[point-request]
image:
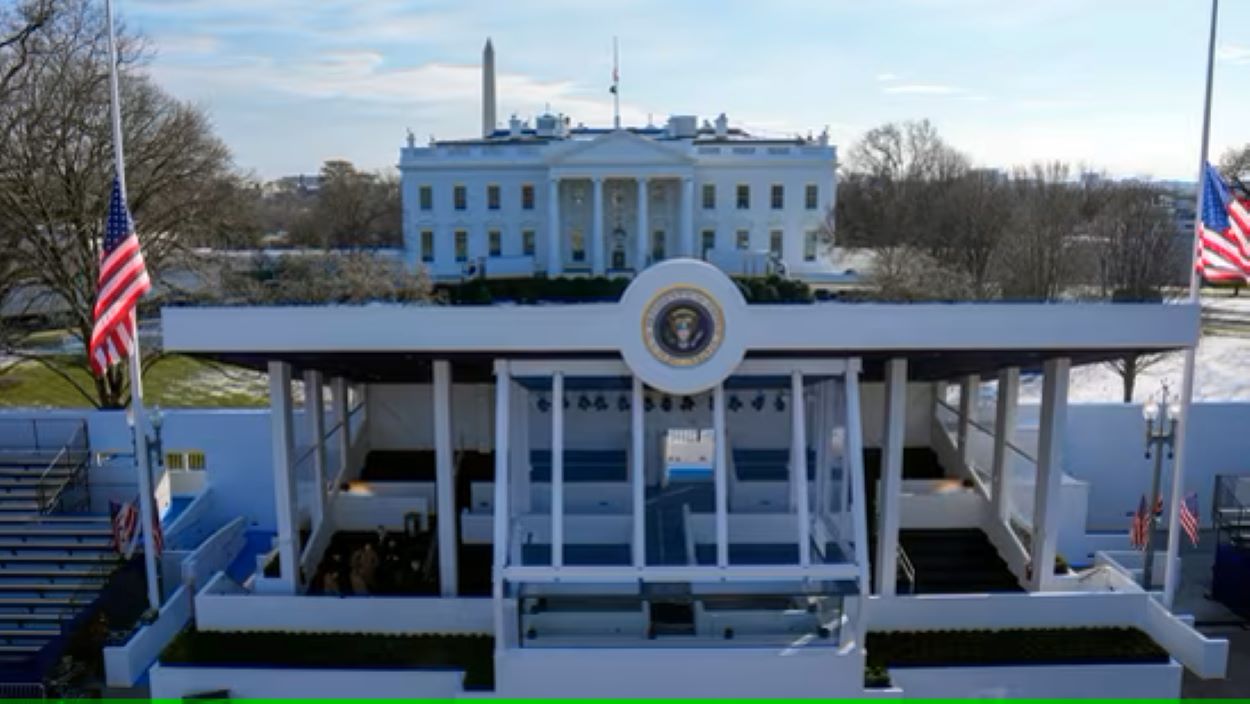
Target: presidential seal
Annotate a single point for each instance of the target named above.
(683, 326)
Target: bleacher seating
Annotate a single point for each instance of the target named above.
(582, 466)
(769, 465)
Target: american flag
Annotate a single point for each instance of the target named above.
(123, 279)
(1224, 232)
(158, 538)
(125, 519)
(1189, 517)
(1140, 527)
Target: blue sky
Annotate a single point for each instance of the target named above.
(1115, 84)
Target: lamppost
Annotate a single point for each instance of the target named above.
(1161, 420)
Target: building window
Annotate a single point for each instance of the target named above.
(657, 245)
(744, 196)
(460, 199)
(427, 245)
(527, 196)
(810, 241)
(527, 243)
(811, 197)
(426, 196)
(462, 246)
(778, 198)
(709, 196)
(577, 241)
(774, 243)
(495, 240)
(492, 197)
(744, 240)
(709, 242)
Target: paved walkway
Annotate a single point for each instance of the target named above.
(1214, 620)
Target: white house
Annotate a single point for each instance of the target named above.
(558, 199)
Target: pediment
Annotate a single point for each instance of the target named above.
(616, 149)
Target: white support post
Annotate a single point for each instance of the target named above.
(557, 469)
(1049, 470)
(798, 466)
(554, 254)
(687, 216)
(314, 414)
(283, 477)
(891, 475)
(445, 480)
(637, 475)
(596, 229)
(503, 384)
(721, 476)
(968, 389)
(339, 406)
(641, 244)
(855, 467)
(1004, 436)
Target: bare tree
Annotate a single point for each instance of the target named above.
(1036, 257)
(1235, 163)
(1136, 245)
(351, 208)
(56, 169)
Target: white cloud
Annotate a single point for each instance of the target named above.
(887, 77)
(922, 89)
(1233, 54)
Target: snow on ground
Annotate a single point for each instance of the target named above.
(1222, 374)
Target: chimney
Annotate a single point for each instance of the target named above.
(488, 89)
(722, 126)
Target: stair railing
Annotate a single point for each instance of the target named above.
(908, 569)
(49, 499)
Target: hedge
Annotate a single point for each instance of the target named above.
(1048, 646)
(770, 289)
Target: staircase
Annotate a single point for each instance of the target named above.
(53, 565)
(955, 561)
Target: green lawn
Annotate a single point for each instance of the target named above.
(173, 381)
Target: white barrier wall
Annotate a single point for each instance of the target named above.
(1162, 681)
(1105, 446)
(679, 672)
(125, 664)
(172, 682)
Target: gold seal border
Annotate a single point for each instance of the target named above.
(702, 297)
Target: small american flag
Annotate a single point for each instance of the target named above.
(158, 538)
(123, 279)
(125, 519)
(1189, 517)
(1140, 526)
(1224, 232)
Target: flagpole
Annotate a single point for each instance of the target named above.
(1171, 575)
(147, 513)
(616, 85)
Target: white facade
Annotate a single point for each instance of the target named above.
(556, 199)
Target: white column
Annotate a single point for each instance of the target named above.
(445, 480)
(968, 389)
(596, 230)
(503, 383)
(280, 417)
(554, 253)
(855, 467)
(643, 243)
(1004, 435)
(891, 475)
(798, 465)
(721, 476)
(1049, 470)
(338, 406)
(637, 475)
(314, 414)
(687, 216)
(557, 469)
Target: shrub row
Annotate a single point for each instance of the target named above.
(770, 289)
